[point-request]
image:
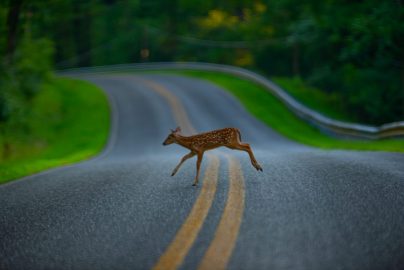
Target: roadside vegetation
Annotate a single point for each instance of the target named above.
(328, 104)
(347, 49)
(275, 114)
(45, 121)
(68, 121)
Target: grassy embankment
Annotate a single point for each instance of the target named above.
(271, 111)
(69, 122)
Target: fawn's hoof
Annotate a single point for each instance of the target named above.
(194, 184)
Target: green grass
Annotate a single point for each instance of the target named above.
(69, 122)
(328, 104)
(271, 111)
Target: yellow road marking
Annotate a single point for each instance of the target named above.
(180, 115)
(221, 247)
(179, 247)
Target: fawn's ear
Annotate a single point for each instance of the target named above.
(178, 129)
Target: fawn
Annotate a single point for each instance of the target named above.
(198, 144)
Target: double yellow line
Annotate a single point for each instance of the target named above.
(223, 243)
(176, 252)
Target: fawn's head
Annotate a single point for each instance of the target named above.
(172, 137)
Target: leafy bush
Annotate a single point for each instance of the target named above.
(20, 80)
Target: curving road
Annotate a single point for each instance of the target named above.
(309, 209)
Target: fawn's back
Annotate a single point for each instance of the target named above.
(215, 138)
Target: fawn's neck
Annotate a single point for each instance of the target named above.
(183, 141)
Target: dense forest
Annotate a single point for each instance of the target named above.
(353, 48)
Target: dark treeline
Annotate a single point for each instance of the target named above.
(353, 48)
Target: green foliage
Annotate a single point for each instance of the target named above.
(352, 49)
(20, 81)
(69, 122)
(325, 103)
(23, 70)
(31, 65)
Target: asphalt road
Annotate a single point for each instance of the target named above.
(309, 209)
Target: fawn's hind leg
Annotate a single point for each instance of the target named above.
(246, 147)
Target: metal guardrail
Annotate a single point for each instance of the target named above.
(327, 125)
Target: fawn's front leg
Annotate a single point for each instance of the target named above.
(187, 156)
(198, 166)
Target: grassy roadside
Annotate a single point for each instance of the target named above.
(271, 111)
(69, 122)
(326, 103)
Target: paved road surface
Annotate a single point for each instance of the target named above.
(309, 209)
